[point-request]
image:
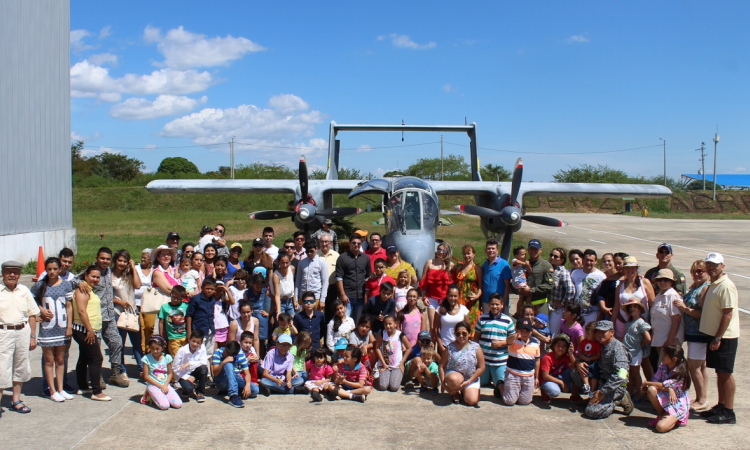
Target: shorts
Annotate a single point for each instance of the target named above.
(311, 384)
(475, 385)
(697, 351)
(434, 303)
(594, 370)
(722, 360)
(493, 373)
(636, 360)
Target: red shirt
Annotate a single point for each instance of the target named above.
(375, 255)
(373, 285)
(553, 365)
(356, 375)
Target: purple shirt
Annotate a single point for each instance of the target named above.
(278, 365)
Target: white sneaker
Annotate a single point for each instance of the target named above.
(66, 396)
(57, 397)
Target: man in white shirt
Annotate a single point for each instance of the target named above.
(312, 274)
(587, 281)
(268, 247)
(190, 367)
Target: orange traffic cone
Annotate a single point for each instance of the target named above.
(39, 265)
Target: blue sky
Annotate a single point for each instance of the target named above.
(537, 77)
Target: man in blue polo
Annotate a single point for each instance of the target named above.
(496, 276)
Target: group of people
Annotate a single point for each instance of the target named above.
(306, 319)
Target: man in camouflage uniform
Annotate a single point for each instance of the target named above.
(613, 375)
(541, 280)
(664, 255)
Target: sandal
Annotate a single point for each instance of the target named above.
(22, 410)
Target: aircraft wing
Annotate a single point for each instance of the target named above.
(594, 190)
(469, 187)
(253, 186)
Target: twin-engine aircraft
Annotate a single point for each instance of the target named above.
(411, 205)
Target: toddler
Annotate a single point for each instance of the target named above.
(637, 342)
(319, 374)
(285, 327)
(424, 370)
(351, 380)
(189, 278)
(590, 351)
(401, 289)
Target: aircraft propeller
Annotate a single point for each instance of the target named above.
(306, 209)
(510, 213)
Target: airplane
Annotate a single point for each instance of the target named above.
(411, 206)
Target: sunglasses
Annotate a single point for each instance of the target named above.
(307, 302)
(355, 243)
(664, 252)
(462, 334)
(219, 230)
(441, 251)
(299, 239)
(289, 247)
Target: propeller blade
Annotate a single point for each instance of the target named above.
(477, 210)
(546, 221)
(303, 181)
(516, 183)
(507, 244)
(270, 215)
(338, 212)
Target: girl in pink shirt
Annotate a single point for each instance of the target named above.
(318, 374)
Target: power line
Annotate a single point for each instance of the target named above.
(158, 148)
(558, 153)
(343, 149)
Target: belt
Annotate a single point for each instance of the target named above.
(541, 301)
(19, 326)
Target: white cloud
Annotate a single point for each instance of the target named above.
(403, 41)
(577, 39)
(740, 169)
(101, 59)
(150, 146)
(184, 50)
(76, 40)
(272, 132)
(364, 148)
(79, 137)
(87, 152)
(91, 80)
(288, 103)
(105, 32)
(164, 105)
(448, 88)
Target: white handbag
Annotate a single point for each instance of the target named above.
(152, 301)
(128, 320)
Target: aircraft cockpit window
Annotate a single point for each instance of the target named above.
(429, 212)
(412, 210)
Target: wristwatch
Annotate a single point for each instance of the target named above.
(33, 336)
(717, 339)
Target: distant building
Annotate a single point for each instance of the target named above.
(36, 193)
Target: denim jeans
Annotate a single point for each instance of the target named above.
(297, 381)
(553, 389)
(135, 342)
(229, 381)
(354, 308)
(287, 306)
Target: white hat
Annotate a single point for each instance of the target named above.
(157, 250)
(715, 258)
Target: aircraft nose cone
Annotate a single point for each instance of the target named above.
(515, 216)
(304, 214)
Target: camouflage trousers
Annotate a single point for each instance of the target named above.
(111, 337)
(604, 408)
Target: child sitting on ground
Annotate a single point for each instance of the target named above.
(554, 368)
(351, 381)
(637, 341)
(247, 341)
(190, 367)
(285, 327)
(522, 373)
(301, 348)
(424, 370)
(319, 374)
(590, 351)
(158, 374)
(519, 268)
(668, 390)
(232, 373)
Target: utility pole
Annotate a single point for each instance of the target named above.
(716, 141)
(703, 164)
(231, 158)
(665, 161)
(442, 168)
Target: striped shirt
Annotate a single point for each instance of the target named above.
(523, 357)
(494, 328)
(240, 362)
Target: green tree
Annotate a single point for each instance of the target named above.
(491, 172)
(454, 167)
(263, 171)
(118, 167)
(346, 173)
(177, 165)
(591, 174)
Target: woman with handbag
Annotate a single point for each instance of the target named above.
(163, 279)
(125, 281)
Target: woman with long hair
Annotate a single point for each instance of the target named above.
(436, 277)
(468, 277)
(125, 280)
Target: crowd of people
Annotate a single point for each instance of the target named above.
(307, 319)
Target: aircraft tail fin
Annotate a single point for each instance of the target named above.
(334, 149)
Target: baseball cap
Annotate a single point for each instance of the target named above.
(173, 235)
(604, 325)
(535, 243)
(391, 248)
(424, 336)
(665, 245)
(341, 344)
(328, 221)
(362, 233)
(543, 319)
(524, 324)
(235, 244)
(257, 241)
(285, 339)
(715, 258)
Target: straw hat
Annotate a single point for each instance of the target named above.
(157, 250)
(666, 274)
(636, 302)
(630, 261)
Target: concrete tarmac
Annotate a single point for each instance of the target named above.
(407, 419)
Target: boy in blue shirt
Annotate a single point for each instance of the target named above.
(231, 373)
(200, 313)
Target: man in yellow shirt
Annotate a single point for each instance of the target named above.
(720, 319)
(18, 312)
